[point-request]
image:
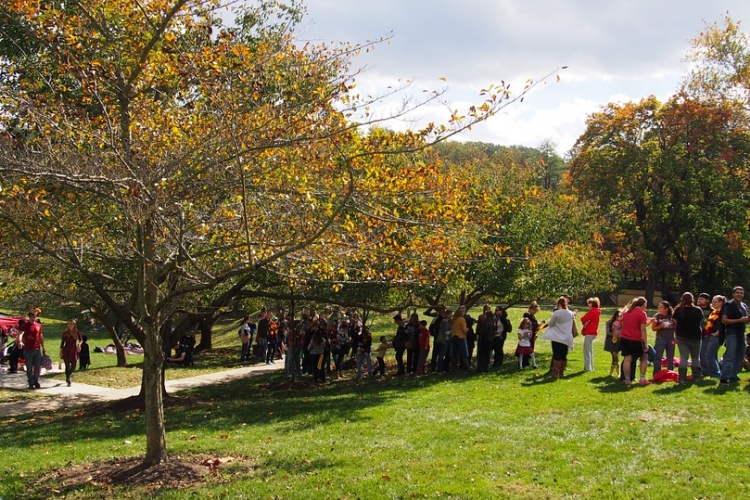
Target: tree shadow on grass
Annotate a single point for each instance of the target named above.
(216, 408)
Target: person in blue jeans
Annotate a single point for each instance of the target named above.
(714, 337)
(663, 324)
(734, 316)
(32, 341)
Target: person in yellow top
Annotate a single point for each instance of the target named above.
(459, 329)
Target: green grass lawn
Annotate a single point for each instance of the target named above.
(508, 434)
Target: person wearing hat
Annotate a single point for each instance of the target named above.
(31, 341)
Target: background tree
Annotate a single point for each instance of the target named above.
(670, 180)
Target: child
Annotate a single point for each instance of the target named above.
(524, 343)
(380, 353)
(364, 356)
(611, 341)
(84, 357)
(424, 346)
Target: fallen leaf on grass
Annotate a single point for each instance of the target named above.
(386, 476)
(193, 437)
(224, 436)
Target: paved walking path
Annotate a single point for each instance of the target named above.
(83, 394)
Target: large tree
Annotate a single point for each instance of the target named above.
(671, 179)
(164, 160)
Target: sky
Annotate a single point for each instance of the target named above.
(614, 51)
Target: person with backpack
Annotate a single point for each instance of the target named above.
(611, 341)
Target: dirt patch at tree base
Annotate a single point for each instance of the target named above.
(178, 472)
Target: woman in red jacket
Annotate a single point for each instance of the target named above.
(590, 322)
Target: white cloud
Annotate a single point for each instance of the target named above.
(612, 49)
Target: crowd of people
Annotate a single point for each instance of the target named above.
(699, 328)
(323, 344)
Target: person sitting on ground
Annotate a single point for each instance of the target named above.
(182, 355)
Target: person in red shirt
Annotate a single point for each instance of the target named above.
(633, 338)
(31, 341)
(590, 322)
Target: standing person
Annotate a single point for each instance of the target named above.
(734, 317)
(70, 346)
(310, 327)
(424, 347)
(443, 342)
(364, 352)
(714, 337)
(634, 339)
(273, 338)
(688, 318)
(485, 337)
(380, 353)
(612, 341)
(31, 340)
(399, 343)
(340, 348)
(560, 332)
(438, 341)
(502, 328)
(531, 314)
(264, 329)
(412, 343)
(524, 343)
(460, 356)
(471, 336)
(590, 330)
(317, 349)
(663, 325)
(246, 339)
(704, 302)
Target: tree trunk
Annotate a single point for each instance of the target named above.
(156, 332)
(153, 367)
(650, 291)
(119, 347)
(206, 336)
